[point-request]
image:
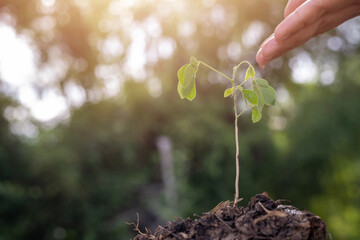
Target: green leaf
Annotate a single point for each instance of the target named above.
(265, 92)
(255, 115)
(250, 72)
(189, 79)
(194, 62)
(180, 73)
(192, 94)
(262, 82)
(228, 92)
(180, 90)
(268, 94)
(251, 96)
(258, 92)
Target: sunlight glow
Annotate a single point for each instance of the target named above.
(111, 47)
(166, 47)
(351, 30)
(328, 73)
(75, 94)
(254, 34)
(155, 87)
(136, 58)
(52, 104)
(335, 43)
(17, 60)
(186, 29)
(128, 45)
(48, 3)
(304, 70)
(218, 15)
(20, 75)
(234, 51)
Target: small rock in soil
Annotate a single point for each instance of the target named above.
(262, 219)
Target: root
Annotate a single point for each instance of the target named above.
(136, 227)
(236, 201)
(183, 235)
(225, 224)
(269, 214)
(220, 206)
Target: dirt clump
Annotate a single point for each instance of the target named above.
(262, 219)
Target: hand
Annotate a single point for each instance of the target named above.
(304, 19)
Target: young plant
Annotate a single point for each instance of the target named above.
(260, 94)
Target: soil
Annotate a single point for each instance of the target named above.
(262, 219)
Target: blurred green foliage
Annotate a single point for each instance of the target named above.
(88, 176)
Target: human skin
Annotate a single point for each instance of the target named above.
(304, 19)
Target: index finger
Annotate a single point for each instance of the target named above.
(304, 15)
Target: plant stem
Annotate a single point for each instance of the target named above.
(237, 152)
(231, 80)
(236, 199)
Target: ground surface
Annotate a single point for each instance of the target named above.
(262, 219)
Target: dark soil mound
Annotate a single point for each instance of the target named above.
(262, 219)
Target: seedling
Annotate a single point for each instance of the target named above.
(260, 94)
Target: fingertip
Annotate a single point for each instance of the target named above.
(260, 59)
(270, 49)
